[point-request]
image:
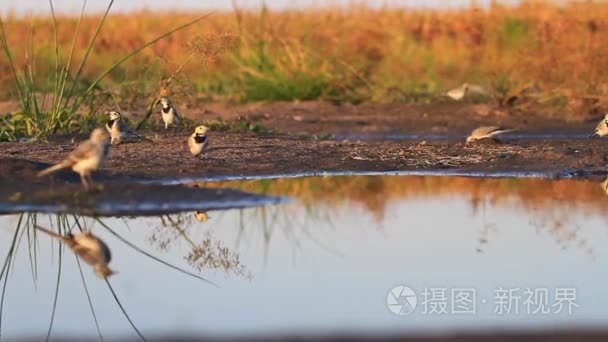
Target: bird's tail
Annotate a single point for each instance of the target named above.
(51, 233)
(53, 168)
(146, 139)
(139, 136)
(507, 130)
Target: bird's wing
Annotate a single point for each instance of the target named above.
(456, 93)
(601, 125)
(484, 130)
(126, 129)
(89, 246)
(85, 150)
(106, 252)
(492, 129)
(86, 254)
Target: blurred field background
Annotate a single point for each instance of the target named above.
(558, 52)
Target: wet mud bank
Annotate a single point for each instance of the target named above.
(235, 156)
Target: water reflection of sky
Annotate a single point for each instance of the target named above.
(313, 276)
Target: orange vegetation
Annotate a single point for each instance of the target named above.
(351, 53)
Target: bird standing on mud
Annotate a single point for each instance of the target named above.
(198, 141)
(169, 113)
(119, 130)
(601, 129)
(460, 92)
(86, 158)
(487, 132)
(89, 248)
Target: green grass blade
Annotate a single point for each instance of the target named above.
(66, 70)
(6, 268)
(56, 297)
(88, 51)
(124, 312)
(57, 61)
(86, 290)
(7, 53)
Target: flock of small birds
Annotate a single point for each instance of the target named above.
(90, 155)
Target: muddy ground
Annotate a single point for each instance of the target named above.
(305, 140)
(115, 199)
(449, 118)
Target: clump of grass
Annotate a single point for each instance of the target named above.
(47, 111)
(340, 54)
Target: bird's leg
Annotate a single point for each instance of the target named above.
(83, 179)
(90, 179)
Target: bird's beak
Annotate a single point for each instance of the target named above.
(594, 135)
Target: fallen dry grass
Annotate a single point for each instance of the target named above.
(555, 53)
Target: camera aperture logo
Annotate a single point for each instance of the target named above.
(401, 300)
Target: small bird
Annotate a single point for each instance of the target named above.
(460, 92)
(86, 158)
(487, 132)
(169, 113)
(601, 129)
(201, 215)
(119, 130)
(198, 141)
(89, 248)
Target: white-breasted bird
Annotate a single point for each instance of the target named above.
(89, 248)
(601, 129)
(198, 141)
(86, 158)
(119, 130)
(168, 112)
(487, 132)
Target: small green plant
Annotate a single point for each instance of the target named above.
(61, 109)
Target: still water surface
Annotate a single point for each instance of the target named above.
(326, 262)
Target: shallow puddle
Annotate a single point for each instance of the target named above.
(478, 255)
